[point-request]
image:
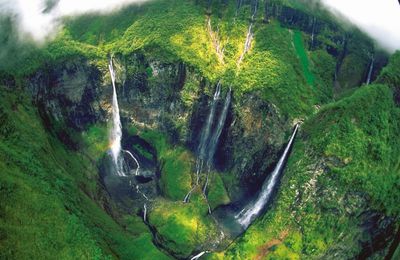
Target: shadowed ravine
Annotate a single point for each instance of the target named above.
(233, 224)
(236, 219)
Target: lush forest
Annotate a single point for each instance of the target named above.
(208, 94)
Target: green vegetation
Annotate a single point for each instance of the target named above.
(323, 66)
(347, 156)
(50, 197)
(301, 52)
(95, 141)
(183, 227)
(390, 75)
(217, 192)
(273, 67)
(176, 166)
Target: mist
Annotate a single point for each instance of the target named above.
(380, 19)
(41, 19)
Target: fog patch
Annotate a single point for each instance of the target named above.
(379, 19)
(40, 20)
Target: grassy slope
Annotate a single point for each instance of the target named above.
(356, 139)
(176, 30)
(47, 194)
(182, 227)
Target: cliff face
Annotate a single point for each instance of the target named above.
(168, 97)
(167, 72)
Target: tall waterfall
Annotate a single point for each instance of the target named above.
(249, 213)
(213, 143)
(209, 138)
(205, 134)
(371, 69)
(313, 34)
(116, 131)
(249, 36)
(207, 128)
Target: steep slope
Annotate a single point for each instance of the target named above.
(169, 57)
(339, 192)
(52, 204)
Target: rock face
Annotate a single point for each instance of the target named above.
(160, 95)
(68, 94)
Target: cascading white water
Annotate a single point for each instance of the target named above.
(144, 212)
(217, 133)
(249, 36)
(198, 255)
(116, 131)
(136, 161)
(213, 143)
(207, 144)
(371, 68)
(250, 212)
(205, 134)
(247, 44)
(215, 40)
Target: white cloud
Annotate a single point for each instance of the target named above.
(34, 22)
(378, 18)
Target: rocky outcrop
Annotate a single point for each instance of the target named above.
(252, 145)
(67, 94)
(154, 94)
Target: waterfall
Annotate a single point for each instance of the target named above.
(144, 212)
(209, 140)
(255, 7)
(141, 193)
(312, 34)
(116, 131)
(213, 143)
(217, 133)
(198, 255)
(371, 69)
(247, 44)
(249, 36)
(215, 41)
(136, 161)
(247, 215)
(206, 131)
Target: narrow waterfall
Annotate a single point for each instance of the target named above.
(247, 44)
(249, 37)
(215, 41)
(209, 140)
(141, 193)
(116, 131)
(371, 69)
(205, 134)
(313, 34)
(144, 212)
(198, 255)
(136, 161)
(250, 212)
(213, 143)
